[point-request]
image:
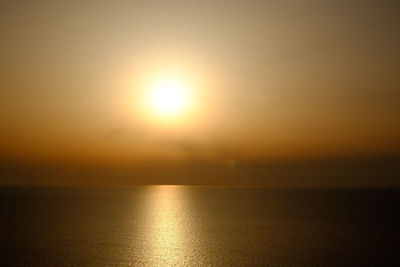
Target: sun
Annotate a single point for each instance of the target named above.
(168, 96)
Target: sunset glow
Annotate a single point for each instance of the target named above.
(118, 85)
(168, 96)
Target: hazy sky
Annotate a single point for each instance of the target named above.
(271, 80)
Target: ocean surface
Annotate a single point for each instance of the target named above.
(199, 226)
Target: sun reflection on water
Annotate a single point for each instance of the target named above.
(168, 228)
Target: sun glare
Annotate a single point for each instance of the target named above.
(168, 96)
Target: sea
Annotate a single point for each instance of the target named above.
(199, 226)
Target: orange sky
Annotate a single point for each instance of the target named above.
(272, 81)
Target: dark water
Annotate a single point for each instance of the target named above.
(185, 225)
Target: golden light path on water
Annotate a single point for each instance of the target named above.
(167, 235)
(167, 226)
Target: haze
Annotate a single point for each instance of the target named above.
(273, 83)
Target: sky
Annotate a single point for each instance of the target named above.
(270, 82)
